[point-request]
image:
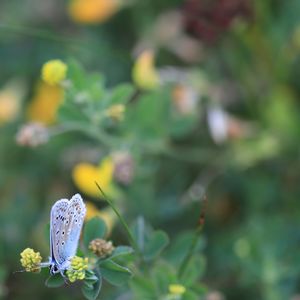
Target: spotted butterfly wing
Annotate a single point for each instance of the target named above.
(71, 228)
(57, 216)
(66, 223)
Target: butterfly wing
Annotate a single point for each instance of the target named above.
(71, 228)
(57, 217)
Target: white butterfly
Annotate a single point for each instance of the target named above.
(66, 220)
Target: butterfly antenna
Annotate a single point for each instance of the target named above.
(18, 271)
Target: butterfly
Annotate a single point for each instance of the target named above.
(66, 220)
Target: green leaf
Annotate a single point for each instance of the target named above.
(121, 252)
(114, 273)
(157, 242)
(189, 295)
(76, 74)
(140, 230)
(148, 118)
(91, 290)
(194, 270)
(143, 288)
(163, 275)
(94, 228)
(55, 281)
(180, 248)
(121, 94)
(90, 276)
(69, 113)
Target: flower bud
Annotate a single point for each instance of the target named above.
(101, 247)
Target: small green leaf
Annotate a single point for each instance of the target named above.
(95, 228)
(92, 290)
(70, 114)
(157, 242)
(143, 288)
(114, 273)
(55, 281)
(90, 276)
(121, 251)
(121, 94)
(163, 275)
(190, 295)
(194, 270)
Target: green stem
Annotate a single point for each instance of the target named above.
(126, 227)
(190, 253)
(195, 240)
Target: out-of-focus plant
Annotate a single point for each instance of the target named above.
(90, 108)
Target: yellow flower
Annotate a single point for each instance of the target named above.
(176, 289)
(10, 100)
(54, 71)
(93, 11)
(77, 269)
(31, 260)
(44, 105)
(85, 175)
(106, 214)
(116, 112)
(144, 74)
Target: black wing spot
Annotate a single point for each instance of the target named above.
(57, 232)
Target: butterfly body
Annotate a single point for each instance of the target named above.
(66, 220)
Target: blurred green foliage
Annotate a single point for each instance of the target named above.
(223, 122)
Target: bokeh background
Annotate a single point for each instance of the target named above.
(231, 72)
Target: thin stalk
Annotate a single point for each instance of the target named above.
(196, 238)
(126, 227)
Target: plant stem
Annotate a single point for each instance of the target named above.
(196, 238)
(126, 227)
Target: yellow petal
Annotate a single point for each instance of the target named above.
(44, 105)
(176, 289)
(92, 11)
(85, 175)
(144, 73)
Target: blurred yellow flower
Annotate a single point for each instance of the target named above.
(116, 112)
(77, 269)
(31, 260)
(144, 74)
(10, 100)
(43, 107)
(85, 175)
(176, 289)
(93, 11)
(54, 71)
(106, 214)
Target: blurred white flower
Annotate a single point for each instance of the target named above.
(32, 135)
(217, 120)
